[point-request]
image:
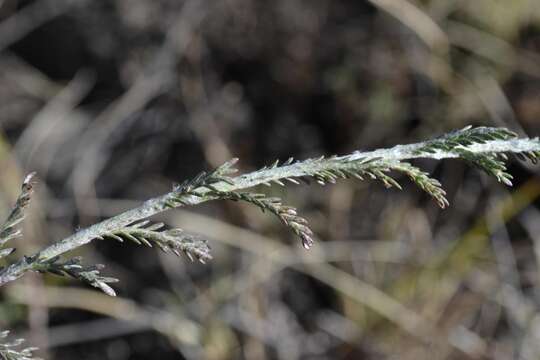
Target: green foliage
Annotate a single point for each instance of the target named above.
(465, 137)
(204, 180)
(286, 214)
(493, 163)
(176, 241)
(329, 170)
(479, 146)
(424, 182)
(146, 233)
(9, 230)
(74, 268)
(9, 351)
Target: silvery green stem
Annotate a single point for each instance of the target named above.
(441, 148)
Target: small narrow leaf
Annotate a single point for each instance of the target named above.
(288, 215)
(74, 268)
(9, 231)
(9, 351)
(173, 240)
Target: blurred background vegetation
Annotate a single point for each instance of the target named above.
(111, 102)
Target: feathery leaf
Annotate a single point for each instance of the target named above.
(9, 349)
(9, 230)
(74, 268)
(464, 138)
(176, 241)
(286, 214)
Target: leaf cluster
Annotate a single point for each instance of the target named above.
(176, 241)
(146, 233)
(9, 350)
(74, 268)
(10, 228)
(493, 163)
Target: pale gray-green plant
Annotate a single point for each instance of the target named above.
(11, 350)
(484, 147)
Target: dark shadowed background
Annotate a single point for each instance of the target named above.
(112, 102)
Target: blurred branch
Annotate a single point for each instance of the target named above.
(493, 48)
(156, 78)
(53, 122)
(31, 17)
(172, 325)
(316, 265)
(418, 21)
(460, 256)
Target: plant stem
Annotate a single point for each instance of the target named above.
(301, 169)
